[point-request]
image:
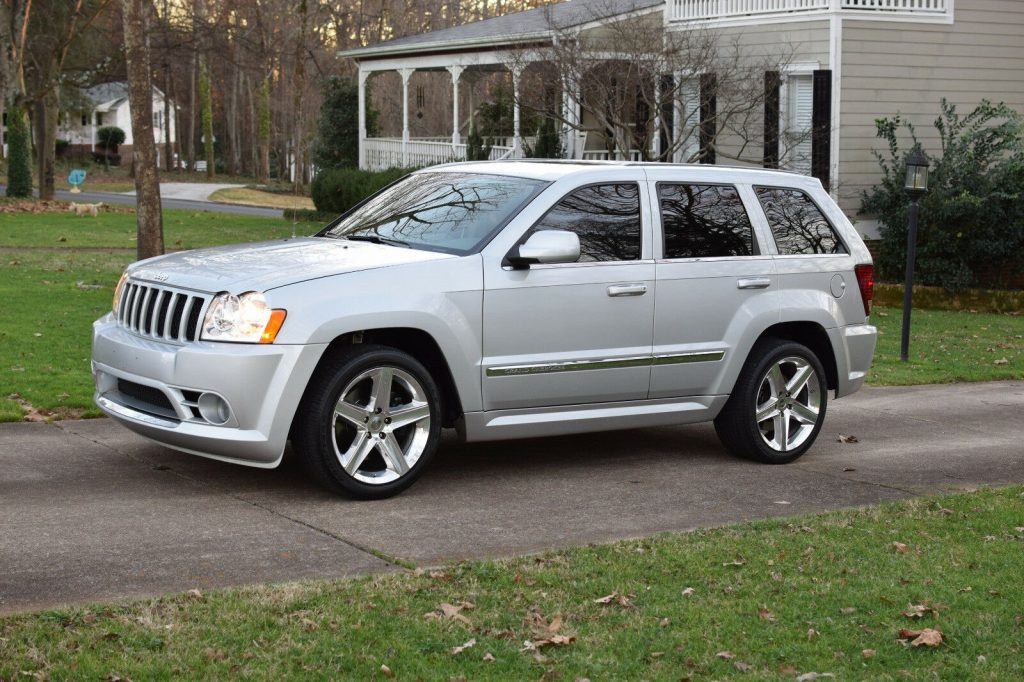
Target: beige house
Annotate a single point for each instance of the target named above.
(850, 62)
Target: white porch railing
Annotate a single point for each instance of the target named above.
(381, 153)
(694, 10)
(605, 155)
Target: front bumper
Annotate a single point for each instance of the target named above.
(151, 387)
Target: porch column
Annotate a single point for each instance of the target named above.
(571, 109)
(363, 76)
(405, 74)
(456, 72)
(517, 142)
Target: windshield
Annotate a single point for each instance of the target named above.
(450, 212)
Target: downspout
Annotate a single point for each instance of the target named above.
(835, 61)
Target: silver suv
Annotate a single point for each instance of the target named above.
(506, 300)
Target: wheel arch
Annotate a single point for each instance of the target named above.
(812, 335)
(417, 343)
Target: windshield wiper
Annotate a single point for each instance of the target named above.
(377, 239)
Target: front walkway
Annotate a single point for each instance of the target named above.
(189, 191)
(91, 512)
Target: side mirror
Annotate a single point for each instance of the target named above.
(546, 246)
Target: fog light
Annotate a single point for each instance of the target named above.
(214, 408)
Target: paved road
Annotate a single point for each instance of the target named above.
(168, 202)
(89, 511)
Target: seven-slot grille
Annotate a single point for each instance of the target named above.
(160, 312)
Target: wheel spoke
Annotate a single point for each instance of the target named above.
(382, 381)
(409, 414)
(805, 414)
(776, 381)
(392, 453)
(353, 414)
(782, 430)
(357, 452)
(767, 411)
(799, 380)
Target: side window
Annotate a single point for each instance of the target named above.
(606, 218)
(798, 224)
(704, 221)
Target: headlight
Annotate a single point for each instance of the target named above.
(118, 289)
(242, 319)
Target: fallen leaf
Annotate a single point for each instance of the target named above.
(847, 610)
(725, 655)
(900, 547)
(462, 647)
(1001, 361)
(688, 592)
(743, 667)
(386, 671)
(843, 438)
(764, 614)
(811, 676)
(450, 611)
(868, 653)
(489, 657)
(620, 599)
(927, 637)
(195, 594)
(920, 610)
(812, 633)
(735, 562)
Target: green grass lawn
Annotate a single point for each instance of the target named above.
(773, 599)
(57, 273)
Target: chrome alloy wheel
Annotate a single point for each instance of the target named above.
(788, 403)
(381, 425)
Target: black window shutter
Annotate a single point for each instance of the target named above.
(772, 103)
(708, 116)
(668, 99)
(821, 127)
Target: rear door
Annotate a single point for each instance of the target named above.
(715, 281)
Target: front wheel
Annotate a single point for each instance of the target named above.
(778, 404)
(369, 423)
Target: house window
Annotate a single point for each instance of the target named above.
(704, 221)
(799, 118)
(99, 120)
(85, 120)
(605, 217)
(420, 99)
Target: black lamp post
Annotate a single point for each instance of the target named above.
(916, 187)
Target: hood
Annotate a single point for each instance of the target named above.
(265, 265)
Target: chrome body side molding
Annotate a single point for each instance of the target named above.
(578, 365)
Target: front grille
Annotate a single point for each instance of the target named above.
(161, 312)
(145, 399)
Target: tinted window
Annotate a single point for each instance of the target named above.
(450, 212)
(798, 224)
(606, 218)
(704, 221)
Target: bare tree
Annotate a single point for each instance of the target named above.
(661, 94)
(149, 217)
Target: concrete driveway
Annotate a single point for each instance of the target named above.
(88, 511)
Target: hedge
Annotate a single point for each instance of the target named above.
(337, 190)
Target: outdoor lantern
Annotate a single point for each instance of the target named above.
(917, 174)
(915, 187)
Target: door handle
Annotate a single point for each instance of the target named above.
(753, 283)
(617, 290)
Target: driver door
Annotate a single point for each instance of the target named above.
(575, 333)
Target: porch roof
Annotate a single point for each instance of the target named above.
(531, 24)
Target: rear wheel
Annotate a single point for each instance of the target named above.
(369, 423)
(778, 404)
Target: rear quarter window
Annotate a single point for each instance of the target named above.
(798, 225)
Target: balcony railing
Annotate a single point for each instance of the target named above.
(699, 10)
(380, 153)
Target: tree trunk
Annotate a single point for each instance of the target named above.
(149, 217)
(263, 133)
(3, 102)
(47, 113)
(232, 116)
(300, 85)
(206, 117)
(168, 148)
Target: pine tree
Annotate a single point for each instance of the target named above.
(337, 141)
(19, 169)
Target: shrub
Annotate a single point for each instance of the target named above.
(110, 137)
(19, 170)
(337, 190)
(476, 149)
(337, 139)
(549, 142)
(972, 219)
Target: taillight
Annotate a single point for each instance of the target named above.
(866, 282)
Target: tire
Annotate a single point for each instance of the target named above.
(348, 438)
(768, 380)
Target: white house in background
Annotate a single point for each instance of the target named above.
(855, 61)
(107, 105)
